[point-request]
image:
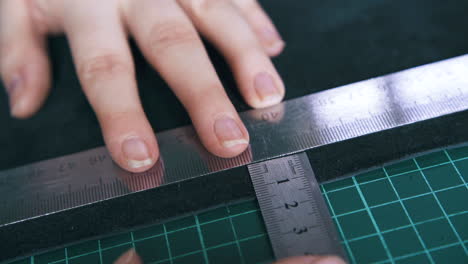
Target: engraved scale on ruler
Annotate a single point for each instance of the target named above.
(326, 117)
(294, 211)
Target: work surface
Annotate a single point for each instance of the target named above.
(408, 212)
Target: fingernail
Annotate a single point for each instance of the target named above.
(273, 39)
(136, 152)
(271, 35)
(129, 257)
(228, 132)
(266, 89)
(18, 106)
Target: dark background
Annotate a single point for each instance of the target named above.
(329, 43)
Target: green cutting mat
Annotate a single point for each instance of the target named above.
(414, 211)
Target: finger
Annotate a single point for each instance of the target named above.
(311, 260)
(106, 72)
(262, 26)
(170, 42)
(24, 66)
(222, 24)
(129, 257)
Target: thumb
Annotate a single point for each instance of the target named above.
(311, 260)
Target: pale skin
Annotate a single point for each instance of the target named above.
(131, 257)
(168, 32)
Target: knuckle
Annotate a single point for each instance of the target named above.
(118, 120)
(171, 34)
(116, 117)
(103, 67)
(204, 96)
(249, 55)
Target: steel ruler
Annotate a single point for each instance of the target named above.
(294, 211)
(323, 118)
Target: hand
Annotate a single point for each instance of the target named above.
(166, 32)
(130, 257)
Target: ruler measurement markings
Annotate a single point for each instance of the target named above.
(290, 225)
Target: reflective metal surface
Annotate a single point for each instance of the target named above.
(293, 208)
(318, 119)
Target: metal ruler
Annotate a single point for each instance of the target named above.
(318, 119)
(294, 211)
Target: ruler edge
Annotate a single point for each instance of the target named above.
(323, 210)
